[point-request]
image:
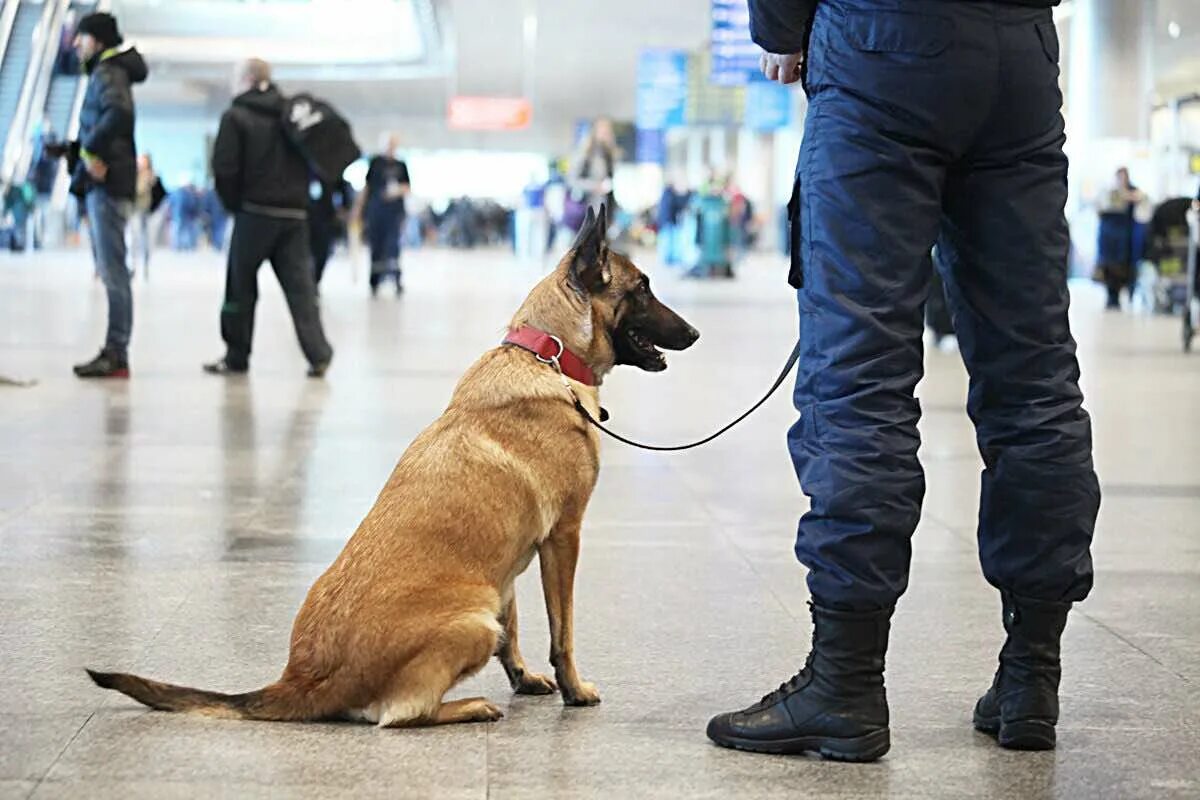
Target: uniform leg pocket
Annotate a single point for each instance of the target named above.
(1049, 36)
(796, 269)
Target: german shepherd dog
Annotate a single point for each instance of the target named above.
(422, 595)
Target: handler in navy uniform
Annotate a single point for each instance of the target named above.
(929, 122)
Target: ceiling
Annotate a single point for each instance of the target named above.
(581, 63)
(1177, 59)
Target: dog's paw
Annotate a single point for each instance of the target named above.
(584, 694)
(488, 712)
(534, 683)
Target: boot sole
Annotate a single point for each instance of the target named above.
(1024, 734)
(859, 749)
(120, 373)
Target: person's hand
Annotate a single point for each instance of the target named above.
(96, 168)
(393, 191)
(782, 68)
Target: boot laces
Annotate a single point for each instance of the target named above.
(790, 685)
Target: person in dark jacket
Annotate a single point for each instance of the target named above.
(329, 205)
(929, 121)
(671, 204)
(43, 171)
(263, 181)
(1118, 251)
(382, 209)
(103, 165)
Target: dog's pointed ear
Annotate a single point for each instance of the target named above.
(589, 220)
(589, 270)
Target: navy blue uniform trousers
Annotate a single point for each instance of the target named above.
(934, 122)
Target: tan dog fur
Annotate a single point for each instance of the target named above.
(422, 594)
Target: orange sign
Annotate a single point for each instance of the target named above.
(489, 113)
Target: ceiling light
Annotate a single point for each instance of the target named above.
(1173, 29)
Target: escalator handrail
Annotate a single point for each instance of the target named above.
(17, 143)
(8, 18)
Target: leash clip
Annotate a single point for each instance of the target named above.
(562, 376)
(553, 360)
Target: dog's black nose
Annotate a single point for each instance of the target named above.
(692, 335)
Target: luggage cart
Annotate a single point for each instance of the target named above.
(1191, 305)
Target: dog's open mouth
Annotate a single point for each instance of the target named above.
(640, 351)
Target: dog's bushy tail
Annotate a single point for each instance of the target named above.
(281, 701)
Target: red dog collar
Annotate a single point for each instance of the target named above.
(548, 349)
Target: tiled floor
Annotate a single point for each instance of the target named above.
(171, 526)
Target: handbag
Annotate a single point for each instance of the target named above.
(574, 211)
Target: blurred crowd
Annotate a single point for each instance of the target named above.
(701, 229)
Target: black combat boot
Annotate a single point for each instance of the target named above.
(835, 705)
(1021, 708)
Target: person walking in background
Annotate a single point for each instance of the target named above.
(148, 199)
(554, 198)
(529, 222)
(42, 174)
(103, 165)
(592, 174)
(19, 203)
(263, 181)
(741, 220)
(928, 121)
(381, 208)
(1117, 249)
(214, 218)
(66, 62)
(671, 206)
(714, 232)
(328, 208)
(184, 206)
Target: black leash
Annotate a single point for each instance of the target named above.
(791, 362)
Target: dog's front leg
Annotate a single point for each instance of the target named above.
(523, 681)
(558, 556)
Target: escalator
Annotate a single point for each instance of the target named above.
(65, 89)
(60, 101)
(14, 66)
(32, 90)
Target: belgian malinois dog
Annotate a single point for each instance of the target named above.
(422, 595)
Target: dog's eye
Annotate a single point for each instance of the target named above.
(644, 284)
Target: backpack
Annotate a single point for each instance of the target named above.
(320, 134)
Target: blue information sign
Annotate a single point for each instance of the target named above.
(735, 57)
(661, 89)
(651, 147)
(768, 106)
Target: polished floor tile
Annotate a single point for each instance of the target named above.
(172, 525)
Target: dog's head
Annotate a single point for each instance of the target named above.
(624, 309)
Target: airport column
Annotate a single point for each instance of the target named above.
(1107, 49)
